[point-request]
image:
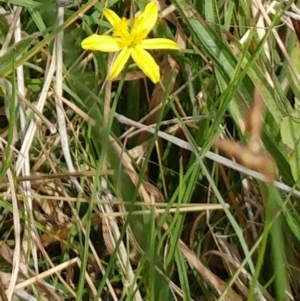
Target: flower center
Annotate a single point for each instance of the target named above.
(131, 36)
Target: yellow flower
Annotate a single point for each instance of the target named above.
(131, 41)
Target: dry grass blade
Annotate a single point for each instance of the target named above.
(30, 133)
(214, 282)
(210, 155)
(48, 273)
(232, 261)
(58, 95)
(13, 25)
(2, 288)
(17, 230)
(182, 209)
(26, 167)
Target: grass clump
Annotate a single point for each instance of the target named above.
(128, 189)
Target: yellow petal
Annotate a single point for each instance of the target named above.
(102, 43)
(146, 63)
(119, 63)
(111, 16)
(147, 19)
(159, 43)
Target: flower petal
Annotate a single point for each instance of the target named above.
(119, 63)
(111, 16)
(146, 63)
(159, 43)
(147, 19)
(102, 43)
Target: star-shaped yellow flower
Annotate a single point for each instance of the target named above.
(131, 41)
